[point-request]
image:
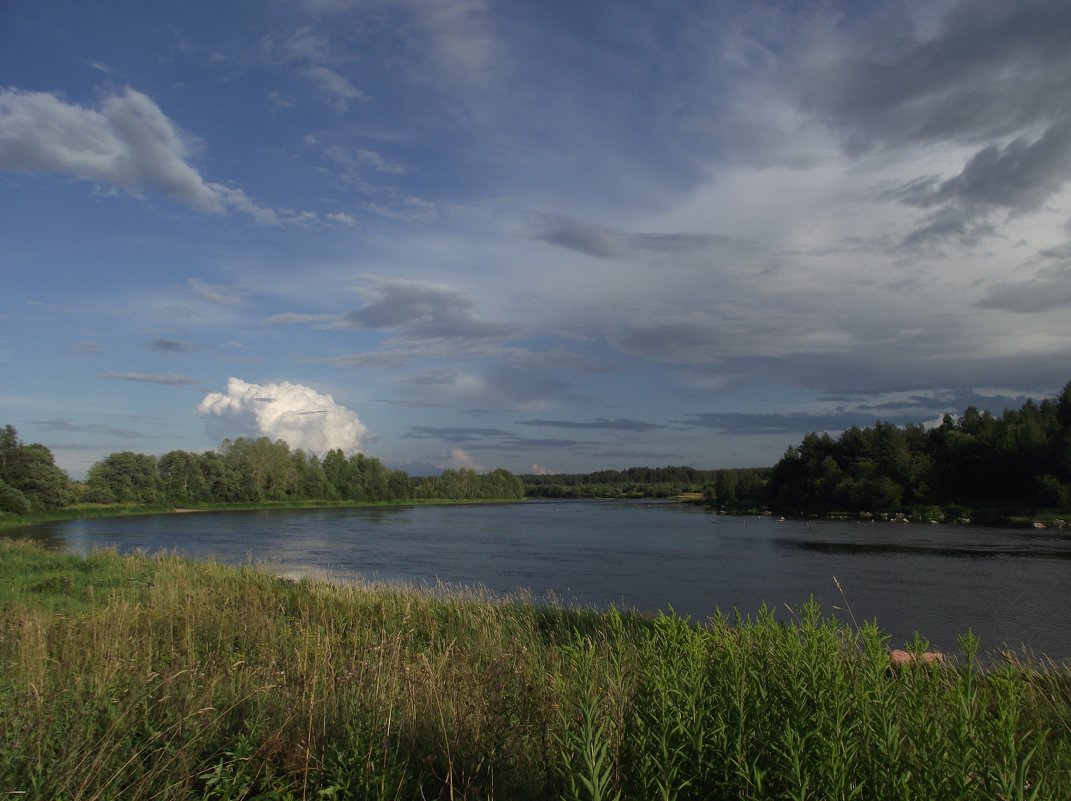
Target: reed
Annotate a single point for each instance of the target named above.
(164, 678)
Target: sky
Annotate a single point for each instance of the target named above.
(549, 237)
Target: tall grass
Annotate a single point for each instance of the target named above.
(163, 678)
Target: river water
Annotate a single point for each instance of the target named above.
(1012, 587)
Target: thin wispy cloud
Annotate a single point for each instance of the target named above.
(620, 424)
(216, 293)
(174, 346)
(68, 426)
(166, 379)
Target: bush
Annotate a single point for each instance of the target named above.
(11, 500)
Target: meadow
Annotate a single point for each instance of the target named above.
(138, 677)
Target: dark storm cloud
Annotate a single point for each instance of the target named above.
(417, 310)
(620, 424)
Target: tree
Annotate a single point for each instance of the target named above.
(31, 472)
(725, 486)
(12, 500)
(182, 478)
(124, 477)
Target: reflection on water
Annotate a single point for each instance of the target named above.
(964, 552)
(1009, 586)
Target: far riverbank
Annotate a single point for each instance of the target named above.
(91, 511)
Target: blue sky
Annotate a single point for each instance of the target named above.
(555, 236)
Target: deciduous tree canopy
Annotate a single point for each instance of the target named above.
(256, 470)
(29, 478)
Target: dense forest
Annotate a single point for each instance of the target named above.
(239, 471)
(1017, 462)
(650, 482)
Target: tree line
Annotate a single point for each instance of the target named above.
(1017, 462)
(244, 470)
(649, 482)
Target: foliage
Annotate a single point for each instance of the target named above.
(646, 482)
(1020, 459)
(241, 471)
(137, 677)
(29, 478)
(123, 477)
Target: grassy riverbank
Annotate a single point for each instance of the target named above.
(136, 677)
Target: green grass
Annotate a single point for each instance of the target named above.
(164, 678)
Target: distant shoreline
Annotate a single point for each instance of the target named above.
(93, 511)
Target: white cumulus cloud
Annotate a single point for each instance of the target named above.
(297, 414)
(127, 143)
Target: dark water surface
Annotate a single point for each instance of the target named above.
(1010, 586)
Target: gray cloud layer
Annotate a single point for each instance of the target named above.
(620, 424)
(993, 74)
(167, 379)
(990, 70)
(90, 428)
(800, 423)
(604, 243)
(174, 346)
(420, 311)
(1050, 289)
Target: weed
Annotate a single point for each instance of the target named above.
(164, 678)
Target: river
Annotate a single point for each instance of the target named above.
(1012, 587)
